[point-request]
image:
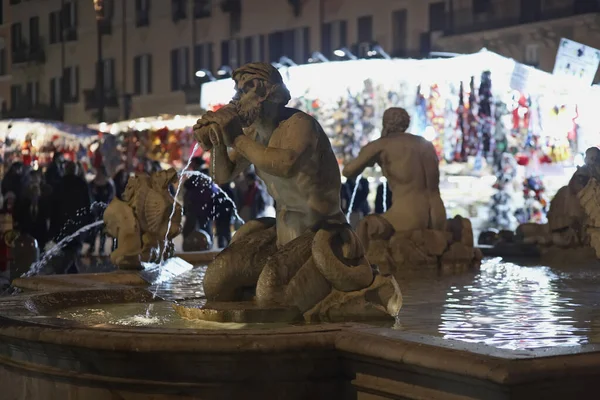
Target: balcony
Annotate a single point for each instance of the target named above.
(142, 18)
(29, 54)
(38, 111)
(92, 99)
(506, 13)
(192, 94)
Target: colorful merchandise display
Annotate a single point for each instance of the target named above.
(33, 142)
(166, 139)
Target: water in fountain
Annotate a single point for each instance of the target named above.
(384, 183)
(351, 205)
(36, 267)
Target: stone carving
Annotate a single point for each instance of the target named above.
(573, 217)
(307, 259)
(414, 231)
(139, 222)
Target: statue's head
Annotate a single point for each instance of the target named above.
(395, 119)
(258, 85)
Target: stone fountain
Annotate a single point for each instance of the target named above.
(414, 233)
(573, 229)
(305, 265)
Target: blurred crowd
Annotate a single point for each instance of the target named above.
(356, 196)
(58, 201)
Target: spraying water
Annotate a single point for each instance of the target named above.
(179, 184)
(351, 205)
(384, 195)
(36, 267)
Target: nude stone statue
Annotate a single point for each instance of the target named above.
(309, 253)
(410, 164)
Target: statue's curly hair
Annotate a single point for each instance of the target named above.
(268, 78)
(395, 119)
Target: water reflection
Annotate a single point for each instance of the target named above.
(512, 307)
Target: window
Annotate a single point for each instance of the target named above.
(16, 37)
(202, 8)
(437, 16)
(70, 84)
(225, 52)
(178, 10)
(33, 94)
(399, 33)
(365, 29)
(180, 73)
(334, 36)
(69, 20)
(107, 9)
(532, 54)
(142, 74)
(481, 6)
(1, 13)
(3, 61)
(142, 13)
(275, 46)
(15, 96)
(108, 72)
(34, 33)
(55, 92)
(203, 57)
(289, 45)
(248, 50)
(56, 29)
(262, 40)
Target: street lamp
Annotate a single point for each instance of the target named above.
(344, 52)
(224, 70)
(205, 74)
(287, 61)
(316, 57)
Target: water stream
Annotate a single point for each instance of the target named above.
(351, 205)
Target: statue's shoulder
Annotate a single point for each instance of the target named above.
(294, 116)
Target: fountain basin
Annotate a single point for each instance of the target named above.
(43, 356)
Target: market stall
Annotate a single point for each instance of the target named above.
(166, 139)
(474, 109)
(33, 142)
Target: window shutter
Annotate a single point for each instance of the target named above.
(174, 71)
(76, 85)
(186, 68)
(149, 68)
(112, 73)
(75, 13)
(137, 72)
(343, 34)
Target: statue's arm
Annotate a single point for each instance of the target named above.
(296, 142)
(366, 158)
(228, 164)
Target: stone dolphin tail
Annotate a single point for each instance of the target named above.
(339, 256)
(121, 223)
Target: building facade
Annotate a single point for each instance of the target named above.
(528, 31)
(5, 61)
(150, 50)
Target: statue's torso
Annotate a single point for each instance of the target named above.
(313, 191)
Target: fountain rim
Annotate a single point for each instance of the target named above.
(353, 340)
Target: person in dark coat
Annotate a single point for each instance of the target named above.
(32, 212)
(103, 190)
(224, 210)
(360, 205)
(55, 170)
(71, 202)
(198, 200)
(13, 179)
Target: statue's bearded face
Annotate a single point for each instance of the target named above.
(247, 102)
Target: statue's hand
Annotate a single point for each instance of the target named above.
(229, 123)
(202, 133)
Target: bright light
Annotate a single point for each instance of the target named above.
(429, 133)
(221, 72)
(339, 53)
(202, 74)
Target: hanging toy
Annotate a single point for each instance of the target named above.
(485, 115)
(435, 118)
(459, 155)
